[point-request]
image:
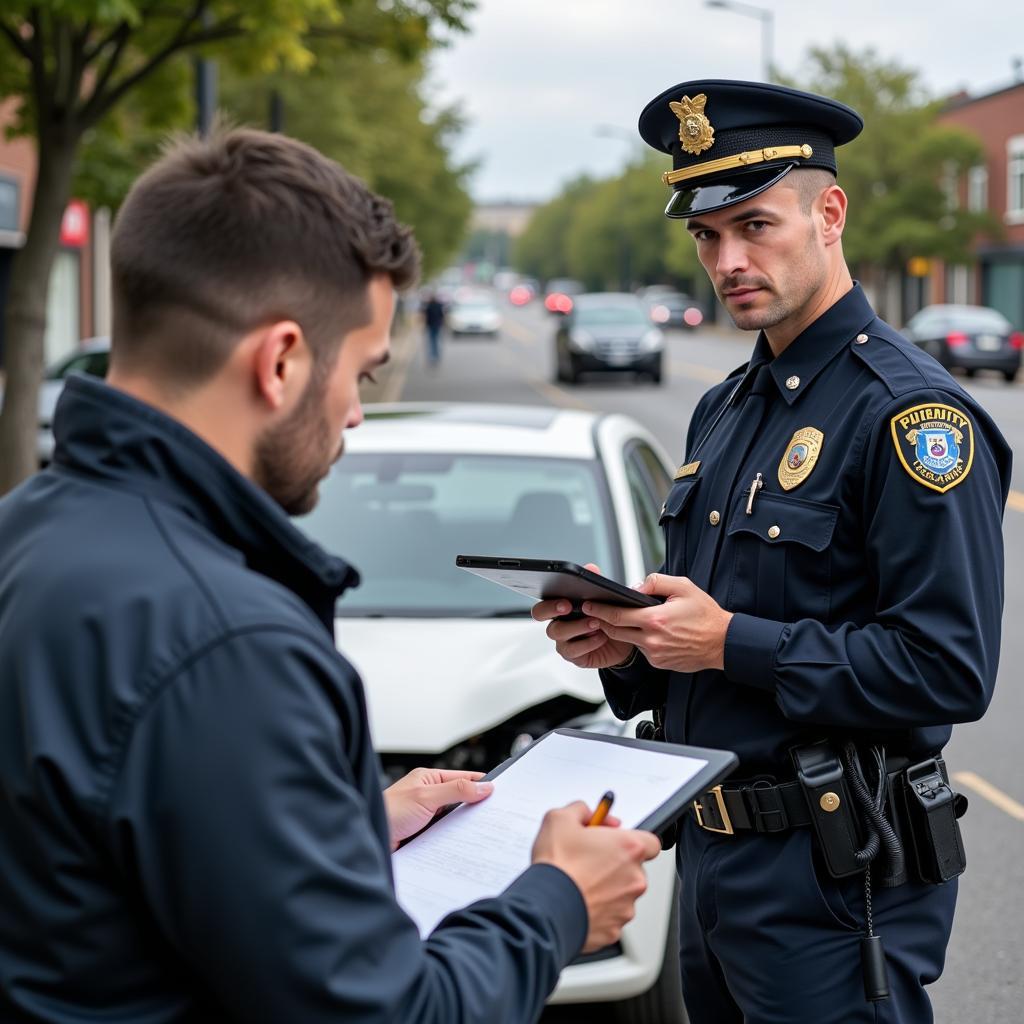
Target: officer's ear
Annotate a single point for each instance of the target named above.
(831, 208)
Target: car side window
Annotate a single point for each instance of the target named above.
(648, 486)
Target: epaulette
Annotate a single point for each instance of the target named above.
(899, 363)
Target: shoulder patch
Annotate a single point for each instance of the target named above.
(935, 444)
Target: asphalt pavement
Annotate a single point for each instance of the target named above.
(982, 982)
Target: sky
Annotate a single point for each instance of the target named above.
(553, 88)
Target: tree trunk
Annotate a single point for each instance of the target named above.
(26, 308)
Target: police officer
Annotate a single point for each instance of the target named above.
(833, 576)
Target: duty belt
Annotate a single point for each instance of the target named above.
(759, 806)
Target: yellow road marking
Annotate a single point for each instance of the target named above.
(557, 396)
(1015, 500)
(518, 331)
(695, 371)
(993, 795)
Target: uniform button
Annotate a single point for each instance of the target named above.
(714, 519)
(773, 532)
(860, 339)
(792, 383)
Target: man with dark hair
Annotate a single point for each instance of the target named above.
(191, 824)
(833, 582)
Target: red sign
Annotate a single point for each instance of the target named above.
(74, 225)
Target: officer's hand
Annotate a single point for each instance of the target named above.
(685, 634)
(580, 644)
(606, 864)
(413, 800)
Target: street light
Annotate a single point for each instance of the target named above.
(614, 131)
(764, 15)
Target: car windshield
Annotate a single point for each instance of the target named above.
(402, 518)
(589, 316)
(962, 320)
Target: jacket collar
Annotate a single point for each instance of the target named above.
(108, 435)
(819, 343)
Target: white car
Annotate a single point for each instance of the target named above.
(457, 673)
(92, 358)
(474, 314)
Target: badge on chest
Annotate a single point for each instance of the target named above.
(801, 455)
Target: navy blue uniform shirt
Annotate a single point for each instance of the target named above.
(865, 572)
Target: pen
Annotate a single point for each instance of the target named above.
(601, 811)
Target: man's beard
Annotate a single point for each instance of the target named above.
(292, 458)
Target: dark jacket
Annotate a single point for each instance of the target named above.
(867, 575)
(191, 824)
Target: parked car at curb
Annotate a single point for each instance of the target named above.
(457, 674)
(91, 357)
(970, 338)
(608, 331)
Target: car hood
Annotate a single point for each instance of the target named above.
(613, 331)
(431, 683)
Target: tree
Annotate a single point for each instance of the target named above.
(360, 106)
(894, 171)
(72, 63)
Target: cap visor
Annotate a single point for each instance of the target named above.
(690, 202)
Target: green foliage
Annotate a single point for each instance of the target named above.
(610, 233)
(893, 171)
(364, 109)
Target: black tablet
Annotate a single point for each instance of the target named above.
(543, 578)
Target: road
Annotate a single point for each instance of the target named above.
(982, 982)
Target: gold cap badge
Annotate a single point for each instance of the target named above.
(801, 455)
(695, 130)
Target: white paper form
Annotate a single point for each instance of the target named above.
(478, 850)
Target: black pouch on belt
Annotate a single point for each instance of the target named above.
(833, 817)
(932, 808)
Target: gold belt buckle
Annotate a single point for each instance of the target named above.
(727, 829)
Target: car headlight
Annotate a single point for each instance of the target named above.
(652, 340)
(581, 339)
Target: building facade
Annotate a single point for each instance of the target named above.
(996, 278)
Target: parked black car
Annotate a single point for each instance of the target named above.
(970, 338)
(608, 331)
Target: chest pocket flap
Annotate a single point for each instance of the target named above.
(782, 519)
(678, 498)
(781, 565)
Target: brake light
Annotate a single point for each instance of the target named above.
(956, 339)
(1017, 339)
(693, 317)
(660, 314)
(558, 302)
(520, 295)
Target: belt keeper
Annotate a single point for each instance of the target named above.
(771, 818)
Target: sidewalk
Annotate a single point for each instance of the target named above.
(390, 378)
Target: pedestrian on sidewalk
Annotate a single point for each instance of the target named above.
(433, 319)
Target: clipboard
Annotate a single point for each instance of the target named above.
(476, 851)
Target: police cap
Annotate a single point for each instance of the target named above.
(731, 140)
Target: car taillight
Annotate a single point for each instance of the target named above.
(519, 296)
(660, 314)
(1017, 339)
(551, 302)
(693, 317)
(956, 339)
(563, 304)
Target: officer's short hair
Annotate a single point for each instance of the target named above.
(239, 229)
(809, 183)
